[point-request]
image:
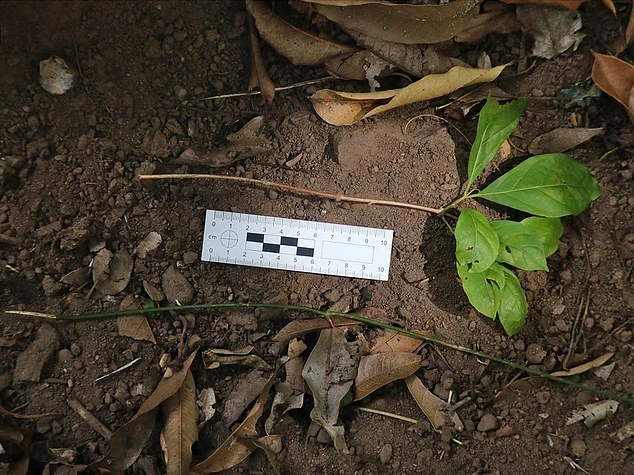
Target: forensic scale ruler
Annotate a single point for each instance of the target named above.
(297, 245)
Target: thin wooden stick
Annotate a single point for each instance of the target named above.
(255, 93)
(292, 189)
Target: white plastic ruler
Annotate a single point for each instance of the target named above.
(297, 245)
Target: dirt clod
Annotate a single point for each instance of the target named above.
(31, 362)
(488, 422)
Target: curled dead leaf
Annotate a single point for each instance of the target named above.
(398, 23)
(111, 273)
(346, 108)
(259, 75)
(216, 357)
(434, 408)
(595, 363)
(375, 371)
(562, 139)
(615, 77)
(298, 46)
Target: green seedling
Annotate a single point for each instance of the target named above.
(547, 187)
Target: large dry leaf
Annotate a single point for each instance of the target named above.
(390, 341)
(329, 372)
(616, 78)
(239, 444)
(562, 139)
(128, 440)
(407, 24)
(567, 4)
(180, 431)
(346, 108)
(375, 371)
(554, 30)
(134, 326)
(298, 46)
(434, 408)
(298, 328)
(216, 357)
(479, 26)
(595, 363)
(112, 277)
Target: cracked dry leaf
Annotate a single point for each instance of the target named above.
(398, 23)
(347, 108)
(329, 372)
(111, 273)
(615, 77)
(554, 30)
(375, 371)
(286, 399)
(134, 326)
(239, 445)
(300, 47)
(594, 412)
(148, 244)
(562, 139)
(216, 357)
(128, 441)
(180, 430)
(205, 402)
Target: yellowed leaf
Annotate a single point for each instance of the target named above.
(240, 443)
(298, 46)
(375, 371)
(595, 363)
(134, 326)
(398, 23)
(432, 406)
(615, 77)
(128, 440)
(180, 431)
(391, 341)
(346, 108)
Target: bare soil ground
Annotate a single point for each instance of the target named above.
(144, 68)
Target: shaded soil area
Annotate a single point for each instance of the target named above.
(69, 189)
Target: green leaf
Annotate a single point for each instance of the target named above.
(513, 305)
(477, 244)
(548, 230)
(483, 288)
(495, 124)
(551, 185)
(519, 246)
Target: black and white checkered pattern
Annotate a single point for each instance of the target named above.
(280, 244)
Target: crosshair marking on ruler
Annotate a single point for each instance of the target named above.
(229, 239)
(297, 245)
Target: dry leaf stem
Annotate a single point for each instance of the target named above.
(308, 82)
(325, 313)
(292, 189)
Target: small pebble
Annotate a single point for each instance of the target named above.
(535, 354)
(386, 453)
(542, 397)
(272, 194)
(487, 423)
(75, 349)
(64, 356)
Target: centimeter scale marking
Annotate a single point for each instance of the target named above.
(297, 245)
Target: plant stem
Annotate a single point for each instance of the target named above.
(292, 189)
(328, 314)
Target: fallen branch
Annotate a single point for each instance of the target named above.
(329, 314)
(292, 189)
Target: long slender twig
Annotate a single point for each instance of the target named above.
(329, 314)
(255, 93)
(292, 189)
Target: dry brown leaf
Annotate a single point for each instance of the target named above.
(298, 328)
(180, 431)
(134, 326)
(111, 273)
(432, 406)
(479, 26)
(354, 66)
(390, 341)
(77, 278)
(629, 30)
(375, 371)
(298, 46)
(259, 75)
(407, 24)
(239, 444)
(554, 31)
(148, 244)
(128, 440)
(346, 108)
(216, 357)
(295, 365)
(272, 446)
(562, 139)
(566, 4)
(595, 363)
(615, 77)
